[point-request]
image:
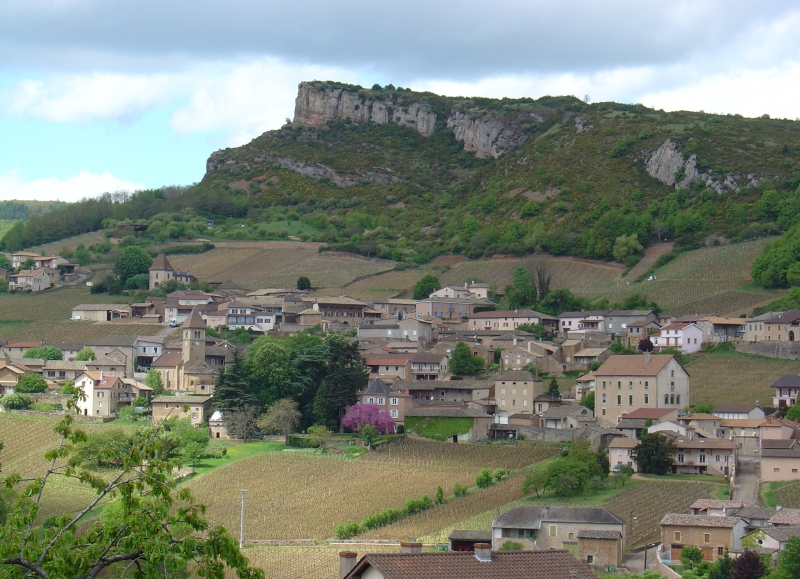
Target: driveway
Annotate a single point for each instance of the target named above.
(747, 479)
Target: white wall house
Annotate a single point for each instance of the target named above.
(686, 337)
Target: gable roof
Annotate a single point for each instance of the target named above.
(551, 564)
(168, 360)
(378, 386)
(634, 365)
(161, 263)
(782, 533)
(99, 307)
(787, 381)
(786, 517)
(624, 442)
(512, 314)
(467, 535)
(427, 358)
(790, 317)
(734, 408)
(515, 375)
(183, 399)
(755, 511)
(705, 504)
(529, 516)
(609, 535)
(558, 412)
(445, 384)
(651, 413)
(680, 520)
(450, 412)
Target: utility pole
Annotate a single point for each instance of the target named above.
(241, 525)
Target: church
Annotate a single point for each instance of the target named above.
(187, 370)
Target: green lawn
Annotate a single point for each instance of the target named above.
(768, 492)
(698, 477)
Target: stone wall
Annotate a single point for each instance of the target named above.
(785, 350)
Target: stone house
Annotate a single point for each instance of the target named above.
(632, 423)
(600, 548)
(639, 330)
(702, 422)
(161, 270)
(566, 417)
(450, 308)
(683, 336)
(507, 320)
(444, 390)
(34, 280)
(744, 432)
(397, 309)
(10, 373)
(697, 455)
(395, 402)
(194, 407)
(62, 370)
(18, 349)
(335, 308)
(780, 464)
(738, 411)
(406, 329)
(389, 366)
(516, 391)
(625, 383)
(543, 403)
(712, 535)
(786, 390)
(120, 348)
(429, 366)
(619, 452)
(544, 527)
(68, 349)
(785, 518)
(239, 315)
(104, 393)
(782, 327)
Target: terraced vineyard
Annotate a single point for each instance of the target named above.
(51, 305)
(82, 332)
(335, 490)
(736, 378)
(277, 264)
(789, 496)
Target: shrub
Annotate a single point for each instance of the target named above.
(439, 497)
(15, 401)
(347, 530)
(416, 505)
(511, 546)
(460, 490)
(623, 146)
(31, 383)
(499, 474)
(68, 388)
(484, 478)
(127, 413)
(46, 407)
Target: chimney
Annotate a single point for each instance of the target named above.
(412, 547)
(101, 375)
(347, 560)
(483, 552)
(646, 358)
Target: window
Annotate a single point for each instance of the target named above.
(672, 399)
(521, 534)
(646, 385)
(604, 401)
(590, 559)
(604, 384)
(646, 398)
(677, 536)
(716, 458)
(672, 385)
(553, 530)
(702, 459)
(630, 385)
(672, 372)
(720, 550)
(677, 399)
(630, 400)
(666, 398)
(394, 401)
(776, 470)
(194, 415)
(502, 391)
(706, 537)
(619, 400)
(604, 412)
(680, 458)
(794, 471)
(394, 413)
(381, 401)
(571, 536)
(619, 385)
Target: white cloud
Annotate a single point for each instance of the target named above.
(84, 184)
(69, 98)
(249, 99)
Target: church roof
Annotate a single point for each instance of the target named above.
(194, 320)
(161, 263)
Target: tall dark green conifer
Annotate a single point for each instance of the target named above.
(231, 391)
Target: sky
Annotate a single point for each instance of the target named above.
(110, 95)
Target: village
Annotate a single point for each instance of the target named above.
(511, 394)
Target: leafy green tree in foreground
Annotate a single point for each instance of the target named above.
(788, 561)
(157, 530)
(131, 261)
(31, 383)
(426, 286)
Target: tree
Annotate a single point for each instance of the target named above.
(131, 261)
(588, 401)
(242, 422)
(626, 246)
(271, 374)
(535, 482)
(320, 436)
(654, 454)
(748, 565)
(15, 401)
(543, 280)
(282, 417)
(231, 391)
(369, 434)
(788, 561)
(153, 381)
(521, 292)
(511, 546)
(645, 345)
(439, 497)
(552, 388)
(155, 528)
(31, 383)
(794, 413)
(44, 352)
(345, 376)
(194, 452)
(86, 355)
(461, 362)
(360, 415)
(722, 568)
(303, 283)
(426, 286)
(691, 556)
(138, 282)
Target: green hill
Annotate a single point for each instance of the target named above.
(396, 174)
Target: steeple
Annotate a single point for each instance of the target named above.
(194, 338)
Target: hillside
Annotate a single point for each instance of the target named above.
(410, 176)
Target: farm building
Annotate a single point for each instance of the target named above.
(195, 407)
(101, 312)
(712, 535)
(459, 424)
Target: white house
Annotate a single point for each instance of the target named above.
(683, 336)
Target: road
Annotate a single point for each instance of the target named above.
(747, 479)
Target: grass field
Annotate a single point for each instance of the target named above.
(82, 332)
(277, 264)
(54, 248)
(736, 378)
(335, 490)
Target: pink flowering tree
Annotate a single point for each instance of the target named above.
(359, 415)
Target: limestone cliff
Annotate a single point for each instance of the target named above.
(485, 134)
(315, 107)
(668, 166)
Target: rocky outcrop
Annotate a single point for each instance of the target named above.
(217, 162)
(668, 166)
(315, 107)
(490, 136)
